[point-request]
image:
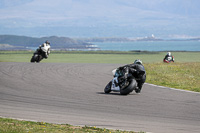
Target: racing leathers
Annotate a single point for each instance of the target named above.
(138, 71)
(44, 49)
(168, 58)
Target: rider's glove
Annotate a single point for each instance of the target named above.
(120, 68)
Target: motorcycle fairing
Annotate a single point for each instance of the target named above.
(115, 86)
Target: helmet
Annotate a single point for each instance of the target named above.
(169, 53)
(137, 61)
(47, 42)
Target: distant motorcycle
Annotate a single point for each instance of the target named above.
(40, 53)
(123, 82)
(168, 59)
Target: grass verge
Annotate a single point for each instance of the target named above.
(17, 126)
(175, 75)
(115, 57)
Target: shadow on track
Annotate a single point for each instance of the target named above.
(117, 93)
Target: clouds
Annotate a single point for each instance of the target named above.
(13, 3)
(98, 13)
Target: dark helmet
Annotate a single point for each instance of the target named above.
(47, 42)
(137, 61)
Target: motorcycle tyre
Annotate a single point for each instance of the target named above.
(108, 87)
(132, 85)
(35, 58)
(32, 59)
(39, 58)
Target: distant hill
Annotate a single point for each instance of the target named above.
(119, 39)
(195, 39)
(56, 42)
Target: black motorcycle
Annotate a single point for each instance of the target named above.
(39, 54)
(123, 82)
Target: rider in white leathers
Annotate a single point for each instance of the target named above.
(45, 47)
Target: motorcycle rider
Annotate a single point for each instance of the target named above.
(138, 71)
(168, 58)
(45, 48)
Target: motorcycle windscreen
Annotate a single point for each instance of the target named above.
(114, 71)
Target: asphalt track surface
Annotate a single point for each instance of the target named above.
(73, 94)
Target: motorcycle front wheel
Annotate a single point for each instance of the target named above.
(32, 59)
(108, 87)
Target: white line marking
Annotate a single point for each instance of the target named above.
(174, 89)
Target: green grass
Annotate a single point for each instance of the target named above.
(175, 75)
(16, 126)
(99, 56)
(183, 74)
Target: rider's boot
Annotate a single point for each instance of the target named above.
(137, 90)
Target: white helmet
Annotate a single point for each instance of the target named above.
(169, 53)
(137, 61)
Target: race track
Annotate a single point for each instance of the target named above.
(73, 94)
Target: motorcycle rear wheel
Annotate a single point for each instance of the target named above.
(132, 85)
(39, 58)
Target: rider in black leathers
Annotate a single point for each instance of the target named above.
(138, 71)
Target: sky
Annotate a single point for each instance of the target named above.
(101, 18)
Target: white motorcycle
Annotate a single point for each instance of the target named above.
(123, 82)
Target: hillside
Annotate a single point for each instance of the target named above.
(56, 42)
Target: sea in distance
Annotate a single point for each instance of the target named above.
(149, 46)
